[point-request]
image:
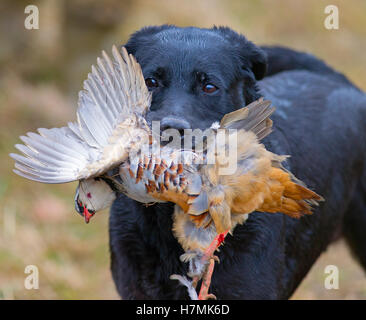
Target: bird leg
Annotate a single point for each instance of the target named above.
(209, 260)
(201, 266)
(206, 281)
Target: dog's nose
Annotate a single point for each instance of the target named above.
(174, 123)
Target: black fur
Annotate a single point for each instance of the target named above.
(320, 121)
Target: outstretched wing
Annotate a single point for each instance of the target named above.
(254, 117)
(109, 123)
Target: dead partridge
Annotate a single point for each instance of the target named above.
(110, 149)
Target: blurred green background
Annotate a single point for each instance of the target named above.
(41, 72)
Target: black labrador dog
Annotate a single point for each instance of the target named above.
(196, 76)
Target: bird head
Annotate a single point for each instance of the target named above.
(93, 195)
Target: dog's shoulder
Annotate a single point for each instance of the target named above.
(302, 95)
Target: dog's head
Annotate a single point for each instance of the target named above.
(196, 75)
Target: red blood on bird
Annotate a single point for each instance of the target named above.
(220, 239)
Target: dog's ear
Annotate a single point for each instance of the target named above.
(258, 60)
(253, 59)
(144, 36)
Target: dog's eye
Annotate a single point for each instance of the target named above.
(209, 88)
(151, 83)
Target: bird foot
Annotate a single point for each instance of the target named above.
(206, 281)
(209, 261)
(208, 297)
(216, 258)
(201, 266)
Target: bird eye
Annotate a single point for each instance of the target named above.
(151, 83)
(209, 88)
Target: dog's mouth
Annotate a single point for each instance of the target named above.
(176, 140)
(196, 142)
(178, 134)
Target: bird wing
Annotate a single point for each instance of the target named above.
(254, 117)
(109, 123)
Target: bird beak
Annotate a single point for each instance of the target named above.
(81, 209)
(88, 214)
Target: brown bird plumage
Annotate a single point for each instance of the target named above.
(210, 203)
(259, 183)
(111, 149)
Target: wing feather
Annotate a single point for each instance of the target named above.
(254, 117)
(113, 92)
